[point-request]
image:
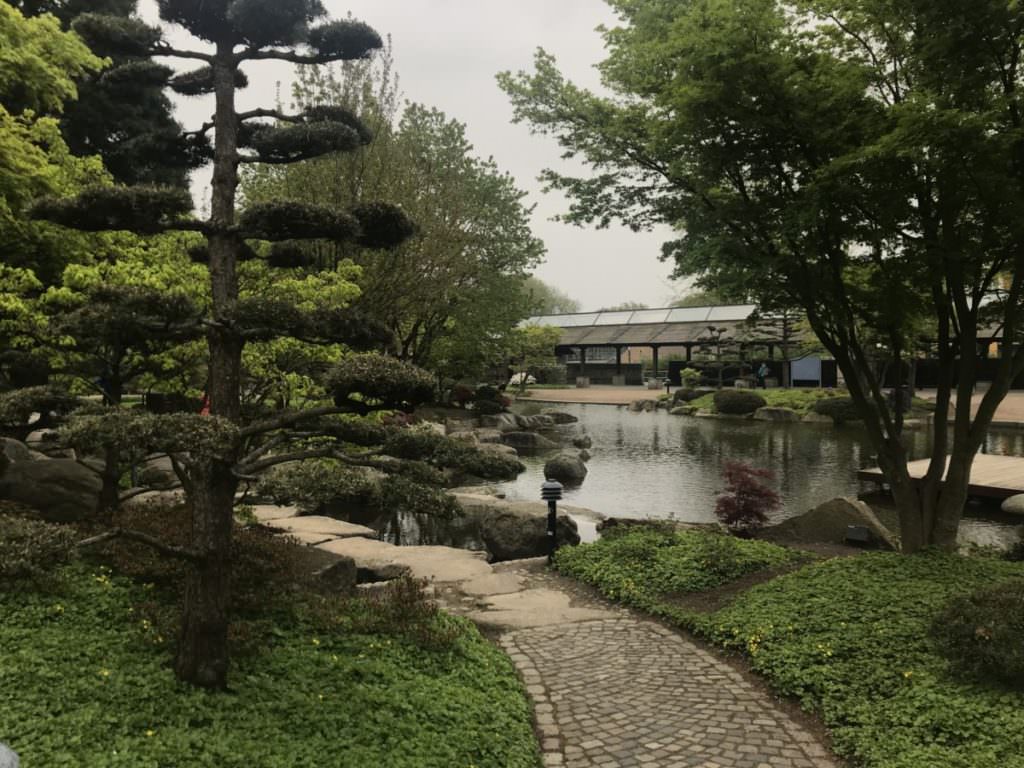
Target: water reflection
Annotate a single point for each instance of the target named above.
(661, 466)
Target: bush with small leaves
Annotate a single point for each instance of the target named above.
(142, 210)
(737, 402)
(690, 378)
(747, 501)
(387, 380)
(116, 36)
(199, 82)
(32, 548)
(382, 225)
(347, 39)
(982, 633)
(292, 143)
(296, 221)
(840, 409)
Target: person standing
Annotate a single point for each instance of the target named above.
(762, 374)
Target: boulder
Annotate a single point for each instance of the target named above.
(584, 455)
(535, 422)
(817, 418)
(683, 410)
(583, 442)
(457, 425)
(154, 499)
(158, 473)
(8, 758)
(513, 530)
(643, 405)
(503, 422)
(506, 450)
(488, 435)
(772, 413)
(528, 441)
(1014, 505)
(559, 417)
(565, 468)
(13, 450)
(62, 490)
(340, 576)
(465, 436)
(828, 523)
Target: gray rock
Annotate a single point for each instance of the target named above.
(369, 573)
(565, 468)
(828, 523)
(643, 405)
(771, 413)
(62, 490)
(488, 435)
(535, 422)
(464, 437)
(516, 530)
(341, 575)
(457, 425)
(507, 450)
(528, 441)
(8, 759)
(584, 455)
(683, 410)
(560, 417)
(817, 418)
(503, 422)
(583, 442)
(1014, 505)
(14, 450)
(158, 473)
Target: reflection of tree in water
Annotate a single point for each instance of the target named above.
(405, 528)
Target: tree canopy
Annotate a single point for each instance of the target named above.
(858, 160)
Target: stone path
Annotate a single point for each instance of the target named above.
(611, 688)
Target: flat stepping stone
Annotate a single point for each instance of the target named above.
(492, 584)
(310, 539)
(538, 607)
(264, 513)
(440, 564)
(325, 526)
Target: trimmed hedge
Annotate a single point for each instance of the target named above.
(840, 409)
(737, 402)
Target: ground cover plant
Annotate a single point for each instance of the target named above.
(805, 401)
(642, 565)
(85, 679)
(851, 639)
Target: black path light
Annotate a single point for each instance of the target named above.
(551, 492)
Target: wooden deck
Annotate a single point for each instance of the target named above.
(992, 476)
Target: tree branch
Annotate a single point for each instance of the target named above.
(163, 49)
(182, 553)
(289, 419)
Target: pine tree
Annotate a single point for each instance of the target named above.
(214, 453)
(123, 114)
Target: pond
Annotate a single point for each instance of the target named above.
(654, 465)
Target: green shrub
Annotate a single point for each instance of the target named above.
(642, 564)
(983, 633)
(737, 402)
(32, 548)
(840, 409)
(487, 407)
(690, 378)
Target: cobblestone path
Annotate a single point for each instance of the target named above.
(611, 688)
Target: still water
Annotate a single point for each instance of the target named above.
(653, 465)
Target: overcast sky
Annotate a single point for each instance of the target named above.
(447, 53)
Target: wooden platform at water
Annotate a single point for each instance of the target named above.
(992, 476)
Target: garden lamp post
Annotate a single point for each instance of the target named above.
(551, 492)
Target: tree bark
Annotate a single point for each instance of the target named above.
(203, 645)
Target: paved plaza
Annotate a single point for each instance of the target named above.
(611, 688)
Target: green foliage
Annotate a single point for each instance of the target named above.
(262, 23)
(981, 633)
(690, 377)
(426, 445)
(142, 210)
(321, 483)
(292, 143)
(292, 221)
(344, 39)
(17, 409)
(850, 639)
(382, 225)
(31, 548)
(642, 565)
(351, 682)
(116, 36)
(737, 401)
(840, 409)
(391, 382)
(199, 82)
(192, 433)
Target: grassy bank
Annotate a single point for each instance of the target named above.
(848, 637)
(85, 680)
(803, 400)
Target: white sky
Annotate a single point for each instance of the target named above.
(447, 53)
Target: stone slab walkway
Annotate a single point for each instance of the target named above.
(611, 688)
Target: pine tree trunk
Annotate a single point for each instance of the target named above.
(203, 652)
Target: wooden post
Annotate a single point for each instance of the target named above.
(654, 362)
